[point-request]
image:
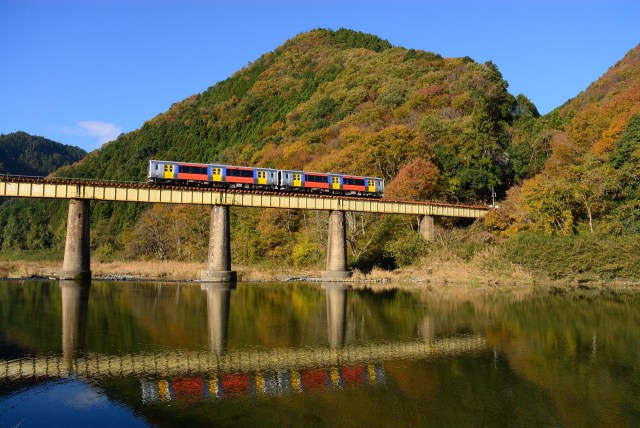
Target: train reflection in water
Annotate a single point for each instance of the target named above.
(275, 381)
(270, 383)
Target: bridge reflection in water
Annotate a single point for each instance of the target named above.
(218, 372)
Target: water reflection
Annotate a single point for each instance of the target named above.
(218, 299)
(336, 312)
(75, 301)
(261, 383)
(286, 354)
(427, 329)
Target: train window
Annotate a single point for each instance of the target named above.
(156, 167)
(239, 172)
(317, 178)
(354, 181)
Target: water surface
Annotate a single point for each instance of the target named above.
(178, 354)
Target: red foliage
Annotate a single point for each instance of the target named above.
(416, 180)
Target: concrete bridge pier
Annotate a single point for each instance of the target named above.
(427, 228)
(77, 259)
(219, 265)
(218, 299)
(337, 269)
(336, 313)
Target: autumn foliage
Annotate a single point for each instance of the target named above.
(417, 180)
(589, 180)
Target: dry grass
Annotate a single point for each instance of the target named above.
(438, 270)
(148, 269)
(438, 274)
(28, 269)
(484, 267)
(138, 269)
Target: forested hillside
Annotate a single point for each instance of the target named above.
(24, 154)
(343, 101)
(590, 181)
(28, 224)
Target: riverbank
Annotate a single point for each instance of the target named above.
(478, 273)
(470, 257)
(440, 268)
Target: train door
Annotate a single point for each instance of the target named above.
(262, 177)
(371, 186)
(168, 171)
(216, 173)
(335, 183)
(297, 179)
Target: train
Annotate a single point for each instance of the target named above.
(252, 178)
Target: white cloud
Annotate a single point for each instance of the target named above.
(103, 131)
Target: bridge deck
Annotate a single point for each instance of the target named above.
(180, 363)
(140, 192)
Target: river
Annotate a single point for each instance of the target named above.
(312, 354)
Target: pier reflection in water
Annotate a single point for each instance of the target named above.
(75, 300)
(218, 298)
(336, 312)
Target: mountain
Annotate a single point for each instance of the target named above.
(340, 101)
(24, 154)
(589, 179)
(328, 100)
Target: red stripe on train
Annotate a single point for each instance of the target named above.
(352, 187)
(314, 185)
(185, 176)
(232, 179)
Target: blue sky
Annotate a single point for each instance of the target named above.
(82, 71)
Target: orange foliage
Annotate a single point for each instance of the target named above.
(603, 110)
(297, 155)
(564, 152)
(607, 141)
(417, 180)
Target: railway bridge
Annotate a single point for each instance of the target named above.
(80, 192)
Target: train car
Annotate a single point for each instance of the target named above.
(245, 177)
(162, 171)
(331, 183)
(211, 174)
(304, 181)
(362, 186)
(179, 172)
